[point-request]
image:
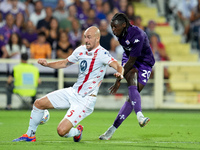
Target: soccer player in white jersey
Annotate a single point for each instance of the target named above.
(80, 99)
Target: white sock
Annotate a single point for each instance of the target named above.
(73, 132)
(35, 118)
(139, 114)
(112, 128)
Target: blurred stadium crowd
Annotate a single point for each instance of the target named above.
(54, 28)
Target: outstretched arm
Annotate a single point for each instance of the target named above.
(56, 64)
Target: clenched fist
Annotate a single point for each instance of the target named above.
(43, 62)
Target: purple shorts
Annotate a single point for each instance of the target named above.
(144, 71)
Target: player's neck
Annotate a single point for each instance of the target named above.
(94, 47)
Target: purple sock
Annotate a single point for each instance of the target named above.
(127, 108)
(135, 98)
(123, 114)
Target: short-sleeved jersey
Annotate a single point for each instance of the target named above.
(136, 44)
(92, 68)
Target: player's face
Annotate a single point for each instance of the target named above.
(90, 40)
(117, 27)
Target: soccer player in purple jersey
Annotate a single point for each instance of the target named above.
(137, 61)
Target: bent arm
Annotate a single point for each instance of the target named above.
(56, 64)
(118, 68)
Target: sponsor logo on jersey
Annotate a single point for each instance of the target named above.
(83, 65)
(136, 41)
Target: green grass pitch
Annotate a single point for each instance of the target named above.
(177, 130)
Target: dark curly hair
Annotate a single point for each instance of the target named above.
(18, 43)
(121, 17)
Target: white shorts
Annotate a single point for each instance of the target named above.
(79, 107)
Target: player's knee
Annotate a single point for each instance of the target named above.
(61, 131)
(43, 103)
(38, 104)
(131, 77)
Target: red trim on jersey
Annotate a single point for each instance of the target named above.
(90, 70)
(112, 59)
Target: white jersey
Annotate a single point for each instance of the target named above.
(92, 68)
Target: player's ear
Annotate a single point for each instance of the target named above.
(98, 39)
(124, 24)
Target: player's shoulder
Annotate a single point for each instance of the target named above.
(135, 32)
(79, 49)
(102, 50)
(104, 54)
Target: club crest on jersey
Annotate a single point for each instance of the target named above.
(127, 42)
(83, 65)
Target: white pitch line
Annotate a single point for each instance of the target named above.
(115, 142)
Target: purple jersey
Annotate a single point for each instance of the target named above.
(30, 37)
(6, 32)
(136, 44)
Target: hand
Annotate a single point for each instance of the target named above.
(113, 89)
(118, 75)
(43, 62)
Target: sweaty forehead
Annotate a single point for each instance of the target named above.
(117, 22)
(89, 33)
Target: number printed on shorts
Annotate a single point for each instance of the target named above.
(71, 113)
(146, 74)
